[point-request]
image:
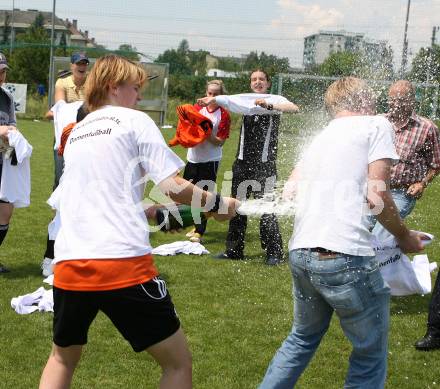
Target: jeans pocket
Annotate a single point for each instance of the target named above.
(376, 283)
(344, 298)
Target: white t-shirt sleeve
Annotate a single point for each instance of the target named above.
(277, 99)
(245, 103)
(381, 143)
(156, 157)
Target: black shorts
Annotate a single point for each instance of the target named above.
(202, 171)
(144, 314)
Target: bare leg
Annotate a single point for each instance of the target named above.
(6, 210)
(174, 358)
(60, 366)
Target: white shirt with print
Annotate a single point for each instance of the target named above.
(107, 157)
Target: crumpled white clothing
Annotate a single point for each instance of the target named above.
(403, 275)
(180, 247)
(40, 300)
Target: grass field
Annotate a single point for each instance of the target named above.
(235, 314)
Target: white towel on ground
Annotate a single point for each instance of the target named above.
(180, 247)
(39, 300)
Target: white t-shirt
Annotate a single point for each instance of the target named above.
(332, 210)
(244, 103)
(15, 184)
(63, 114)
(206, 151)
(107, 157)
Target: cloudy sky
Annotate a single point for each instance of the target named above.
(235, 27)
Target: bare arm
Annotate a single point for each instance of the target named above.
(281, 107)
(289, 190)
(383, 206)
(60, 94)
(418, 188)
(182, 191)
(215, 140)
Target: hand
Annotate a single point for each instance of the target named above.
(289, 191)
(416, 190)
(227, 210)
(411, 242)
(205, 101)
(261, 102)
(4, 130)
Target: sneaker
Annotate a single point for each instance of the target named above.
(191, 233)
(47, 267)
(222, 256)
(4, 269)
(196, 238)
(273, 261)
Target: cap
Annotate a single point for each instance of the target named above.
(3, 62)
(78, 57)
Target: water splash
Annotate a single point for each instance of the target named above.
(269, 204)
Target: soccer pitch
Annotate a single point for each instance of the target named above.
(234, 313)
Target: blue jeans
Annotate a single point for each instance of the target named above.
(353, 288)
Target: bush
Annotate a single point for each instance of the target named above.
(36, 107)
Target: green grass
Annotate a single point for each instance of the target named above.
(235, 314)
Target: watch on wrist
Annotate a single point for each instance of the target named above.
(269, 107)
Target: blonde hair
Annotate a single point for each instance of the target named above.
(220, 84)
(109, 71)
(349, 94)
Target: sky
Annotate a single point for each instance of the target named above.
(236, 27)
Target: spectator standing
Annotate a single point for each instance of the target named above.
(255, 162)
(204, 159)
(14, 160)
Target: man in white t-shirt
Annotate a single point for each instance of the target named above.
(342, 177)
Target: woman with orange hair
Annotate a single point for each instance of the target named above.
(103, 258)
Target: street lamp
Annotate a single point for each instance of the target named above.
(12, 28)
(51, 72)
(405, 43)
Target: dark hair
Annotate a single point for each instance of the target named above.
(262, 71)
(82, 113)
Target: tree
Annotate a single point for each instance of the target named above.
(426, 64)
(38, 21)
(269, 62)
(197, 61)
(128, 51)
(30, 63)
(178, 59)
(179, 64)
(341, 64)
(183, 47)
(229, 64)
(63, 44)
(7, 30)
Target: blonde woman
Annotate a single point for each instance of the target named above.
(103, 258)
